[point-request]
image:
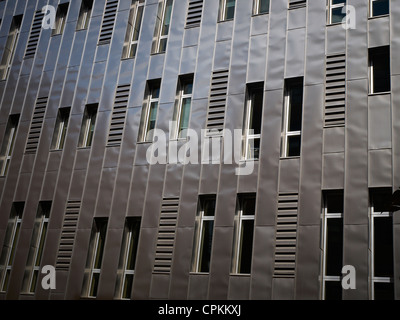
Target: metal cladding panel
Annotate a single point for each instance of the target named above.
(379, 122)
(198, 287)
(378, 34)
(239, 288)
(380, 168)
(257, 58)
(333, 171)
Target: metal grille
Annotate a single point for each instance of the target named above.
(107, 25)
(166, 235)
(335, 91)
(217, 102)
(36, 125)
(286, 236)
(119, 115)
(295, 4)
(68, 233)
(34, 35)
(194, 13)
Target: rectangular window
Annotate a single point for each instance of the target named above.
(133, 29)
(182, 107)
(60, 131)
(88, 126)
(10, 244)
(336, 11)
(243, 233)
(94, 257)
(84, 14)
(127, 260)
(204, 229)
(379, 69)
(226, 10)
(149, 111)
(292, 118)
(61, 17)
(161, 30)
(9, 49)
(36, 247)
(252, 120)
(260, 6)
(332, 245)
(378, 8)
(381, 245)
(8, 144)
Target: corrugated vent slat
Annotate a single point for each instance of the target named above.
(194, 13)
(68, 233)
(34, 35)
(166, 235)
(36, 125)
(294, 4)
(107, 25)
(286, 236)
(119, 115)
(335, 90)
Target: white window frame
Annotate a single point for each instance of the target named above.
(61, 130)
(35, 268)
(61, 18)
(176, 134)
(371, 2)
(222, 11)
(84, 16)
(325, 217)
(9, 149)
(145, 137)
(238, 234)
(247, 133)
(159, 35)
(332, 6)
(371, 75)
(286, 134)
(200, 219)
(372, 278)
(11, 246)
(133, 15)
(15, 35)
(129, 241)
(256, 7)
(88, 121)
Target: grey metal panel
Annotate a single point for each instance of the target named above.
(283, 289)
(222, 54)
(335, 39)
(379, 122)
(198, 288)
(395, 41)
(289, 174)
(334, 139)
(173, 180)
(188, 60)
(257, 58)
(239, 287)
(22, 187)
(159, 286)
(333, 171)
(294, 62)
(378, 32)
(297, 18)
(137, 191)
(308, 261)
(224, 30)
(396, 242)
(248, 183)
(259, 24)
(111, 157)
(380, 168)
(191, 37)
(106, 188)
(49, 184)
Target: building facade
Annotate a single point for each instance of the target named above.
(88, 86)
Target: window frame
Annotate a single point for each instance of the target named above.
(84, 15)
(287, 113)
(371, 53)
(88, 126)
(325, 216)
(15, 220)
(222, 15)
(14, 32)
(371, 9)
(61, 19)
(178, 128)
(158, 31)
(144, 130)
(130, 38)
(61, 128)
(372, 279)
(8, 148)
(257, 6)
(332, 6)
(238, 232)
(200, 220)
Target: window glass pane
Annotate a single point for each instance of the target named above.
(264, 6)
(333, 290)
(206, 244)
(296, 103)
(95, 284)
(127, 289)
(248, 205)
(209, 207)
(380, 7)
(253, 148)
(256, 112)
(246, 247)
(167, 18)
(294, 146)
(383, 247)
(230, 9)
(337, 15)
(382, 201)
(334, 246)
(334, 203)
(383, 291)
(184, 117)
(381, 70)
(338, 1)
(138, 24)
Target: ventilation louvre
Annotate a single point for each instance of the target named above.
(107, 25)
(217, 102)
(295, 4)
(36, 125)
(119, 115)
(68, 233)
(286, 236)
(194, 13)
(34, 35)
(335, 91)
(166, 235)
